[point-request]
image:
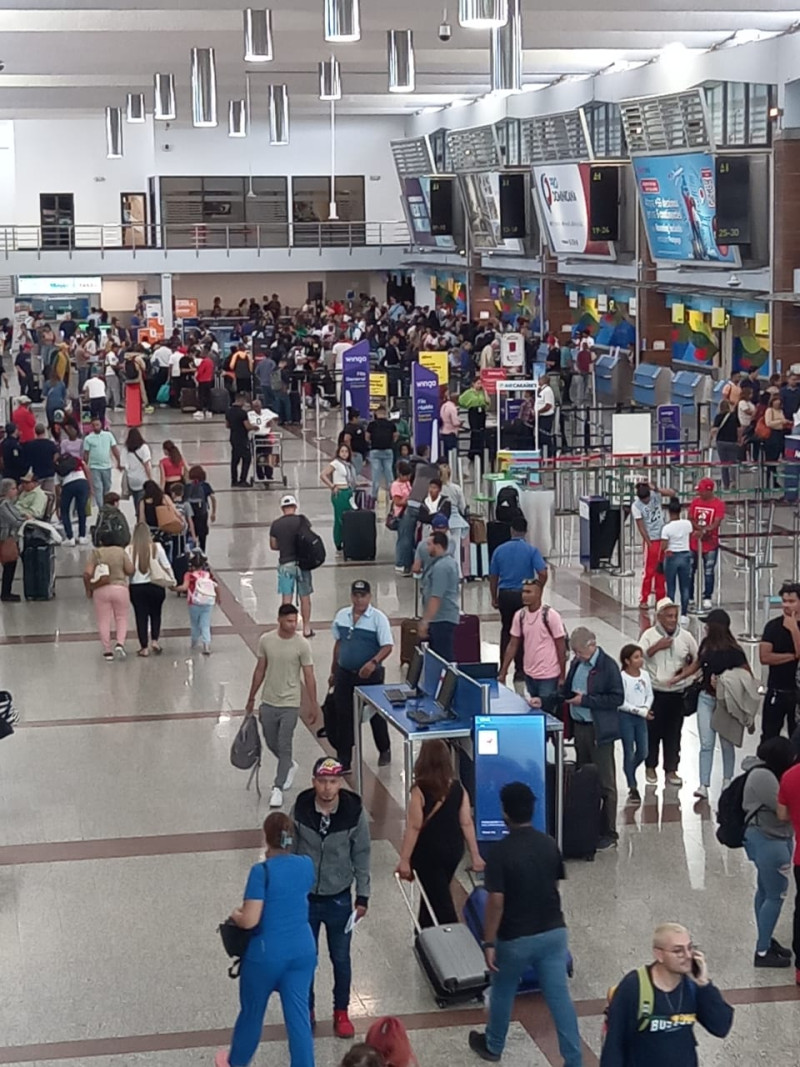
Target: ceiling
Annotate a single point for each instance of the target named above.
(75, 60)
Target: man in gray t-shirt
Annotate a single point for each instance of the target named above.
(440, 597)
(648, 514)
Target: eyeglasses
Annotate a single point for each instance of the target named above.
(678, 950)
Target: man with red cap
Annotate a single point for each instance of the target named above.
(706, 513)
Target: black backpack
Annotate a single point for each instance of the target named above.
(131, 370)
(111, 529)
(731, 815)
(507, 506)
(310, 550)
(197, 498)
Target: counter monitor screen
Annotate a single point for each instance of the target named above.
(415, 668)
(445, 690)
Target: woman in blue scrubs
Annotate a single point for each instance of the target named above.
(281, 954)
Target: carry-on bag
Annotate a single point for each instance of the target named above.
(582, 801)
(359, 535)
(467, 639)
(220, 401)
(409, 631)
(449, 955)
(38, 565)
(188, 400)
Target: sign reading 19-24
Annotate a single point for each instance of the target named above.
(679, 206)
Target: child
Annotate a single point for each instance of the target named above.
(184, 508)
(200, 496)
(635, 712)
(202, 594)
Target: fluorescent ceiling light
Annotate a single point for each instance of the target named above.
(674, 52)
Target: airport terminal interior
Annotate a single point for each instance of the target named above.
(557, 245)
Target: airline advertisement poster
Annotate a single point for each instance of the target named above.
(417, 203)
(679, 208)
(561, 197)
(482, 197)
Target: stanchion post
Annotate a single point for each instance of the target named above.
(698, 578)
(316, 417)
(752, 634)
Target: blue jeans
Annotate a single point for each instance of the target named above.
(101, 483)
(544, 688)
(200, 623)
(772, 857)
(406, 529)
(77, 491)
(635, 744)
(709, 571)
(705, 709)
(448, 443)
(546, 952)
(441, 638)
(382, 462)
(333, 913)
(256, 984)
(678, 570)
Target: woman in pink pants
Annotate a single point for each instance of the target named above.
(106, 580)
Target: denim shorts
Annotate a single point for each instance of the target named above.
(289, 576)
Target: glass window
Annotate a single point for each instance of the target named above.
(736, 113)
(512, 147)
(715, 102)
(268, 210)
(758, 132)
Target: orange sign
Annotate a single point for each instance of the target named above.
(156, 328)
(185, 308)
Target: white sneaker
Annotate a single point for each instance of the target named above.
(83, 540)
(706, 602)
(276, 798)
(69, 542)
(209, 414)
(684, 620)
(674, 779)
(701, 792)
(725, 783)
(290, 776)
(650, 776)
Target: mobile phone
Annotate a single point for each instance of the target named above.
(695, 964)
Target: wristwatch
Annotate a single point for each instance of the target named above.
(487, 944)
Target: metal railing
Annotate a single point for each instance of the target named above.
(202, 237)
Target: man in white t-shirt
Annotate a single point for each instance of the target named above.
(545, 408)
(338, 352)
(94, 390)
(677, 557)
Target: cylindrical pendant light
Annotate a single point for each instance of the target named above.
(330, 79)
(342, 20)
(402, 72)
(113, 133)
(482, 14)
(257, 35)
(505, 53)
(165, 109)
(237, 118)
(204, 87)
(278, 114)
(136, 107)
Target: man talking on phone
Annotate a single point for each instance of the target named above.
(652, 1012)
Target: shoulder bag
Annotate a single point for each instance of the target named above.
(159, 574)
(9, 550)
(169, 521)
(101, 575)
(235, 939)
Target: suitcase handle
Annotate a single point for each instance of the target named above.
(407, 901)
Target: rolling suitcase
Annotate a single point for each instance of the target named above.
(474, 911)
(581, 812)
(294, 408)
(409, 631)
(359, 535)
(38, 567)
(220, 401)
(188, 400)
(497, 533)
(450, 957)
(467, 639)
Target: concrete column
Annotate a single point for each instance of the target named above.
(166, 303)
(785, 325)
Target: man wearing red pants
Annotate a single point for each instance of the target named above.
(648, 511)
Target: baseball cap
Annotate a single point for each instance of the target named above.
(360, 586)
(718, 615)
(28, 476)
(328, 767)
(288, 501)
(439, 522)
(705, 484)
(665, 602)
(23, 400)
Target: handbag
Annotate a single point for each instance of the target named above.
(235, 939)
(101, 575)
(9, 550)
(690, 697)
(168, 520)
(393, 521)
(160, 575)
(125, 489)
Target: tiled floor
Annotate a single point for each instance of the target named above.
(126, 835)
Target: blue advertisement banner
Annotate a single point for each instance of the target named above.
(425, 402)
(355, 379)
(679, 207)
(508, 748)
(668, 420)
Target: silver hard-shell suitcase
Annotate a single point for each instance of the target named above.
(449, 955)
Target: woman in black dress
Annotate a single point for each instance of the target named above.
(439, 821)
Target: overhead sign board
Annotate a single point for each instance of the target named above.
(562, 200)
(58, 286)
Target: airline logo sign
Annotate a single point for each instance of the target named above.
(563, 196)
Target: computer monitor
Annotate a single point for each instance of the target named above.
(415, 667)
(445, 690)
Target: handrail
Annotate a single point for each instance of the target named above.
(201, 237)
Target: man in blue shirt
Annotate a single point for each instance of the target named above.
(363, 640)
(440, 585)
(513, 563)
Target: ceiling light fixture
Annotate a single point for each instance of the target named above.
(674, 52)
(135, 109)
(278, 115)
(342, 21)
(482, 14)
(402, 72)
(113, 133)
(204, 87)
(257, 35)
(237, 118)
(330, 79)
(164, 109)
(505, 53)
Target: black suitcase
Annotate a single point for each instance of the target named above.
(294, 408)
(38, 570)
(220, 401)
(359, 535)
(497, 533)
(188, 400)
(581, 812)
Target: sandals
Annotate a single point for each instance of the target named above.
(143, 652)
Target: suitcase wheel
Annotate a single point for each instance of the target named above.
(441, 1002)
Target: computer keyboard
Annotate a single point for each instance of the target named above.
(398, 696)
(422, 718)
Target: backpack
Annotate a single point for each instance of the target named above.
(197, 498)
(731, 816)
(246, 750)
(310, 550)
(646, 1001)
(205, 591)
(65, 464)
(131, 370)
(507, 506)
(111, 528)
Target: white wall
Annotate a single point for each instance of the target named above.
(120, 295)
(291, 286)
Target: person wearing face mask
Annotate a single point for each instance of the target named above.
(648, 512)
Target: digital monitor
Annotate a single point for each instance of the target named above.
(445, 690)
(415, 668)
(508, 748)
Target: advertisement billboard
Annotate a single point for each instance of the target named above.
(482, 199)
(561, 195)
(355, 379)
(679, 208)
(417, 201)
(508, 748)
(425, 406)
